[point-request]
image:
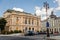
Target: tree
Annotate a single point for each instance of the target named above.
(2, 23)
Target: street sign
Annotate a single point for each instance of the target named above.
(47, 24)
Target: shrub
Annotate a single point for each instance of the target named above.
(10, 32)
(40, 31)
(37, 31)
(16, 31)
(20, 31)
(3, 32)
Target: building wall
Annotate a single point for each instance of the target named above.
(54, 25)
(21, 21)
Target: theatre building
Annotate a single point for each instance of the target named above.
(23, 21)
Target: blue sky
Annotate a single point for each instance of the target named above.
(26, 5)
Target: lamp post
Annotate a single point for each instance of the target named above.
(46, 6)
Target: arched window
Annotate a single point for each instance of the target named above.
(25, 21)
(50, 30)
(59, 29)
(33, 29)
(55, 29)
(29, 21)
(17, 20)
(29, 28)
(32, 21)
(37, 23)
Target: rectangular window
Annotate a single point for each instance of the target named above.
(17, 20)
(29, 21)
(59, 29)
(37, 23)
(25, 21)
(32, 21)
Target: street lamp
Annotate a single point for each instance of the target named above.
(46, 6)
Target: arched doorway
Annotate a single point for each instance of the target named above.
(29, 29)
(32, 29)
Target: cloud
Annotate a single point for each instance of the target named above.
(58, 2)
(57, 9)
(42, 12)
(55, 1)
(18, 9)
(43, 18)
(38, 11)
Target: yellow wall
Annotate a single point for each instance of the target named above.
(16, 21)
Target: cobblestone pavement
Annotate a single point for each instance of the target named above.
(37, 37)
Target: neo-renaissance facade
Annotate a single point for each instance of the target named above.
(54, 23)
(23, 21)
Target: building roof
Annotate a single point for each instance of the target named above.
(52, 15)
(9, 10)
(18, 12)
(58, 18)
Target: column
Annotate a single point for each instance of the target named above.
(31, 21)
(58, 29)
(23, 20)
(27, 20)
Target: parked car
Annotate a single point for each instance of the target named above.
(43, 33)
(56, 33)
(29, 33)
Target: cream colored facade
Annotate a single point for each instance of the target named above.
(54, 24)
(21, 21)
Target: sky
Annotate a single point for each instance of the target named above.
(31, 6)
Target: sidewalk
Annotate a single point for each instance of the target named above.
(16, 34)
(55, 37)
